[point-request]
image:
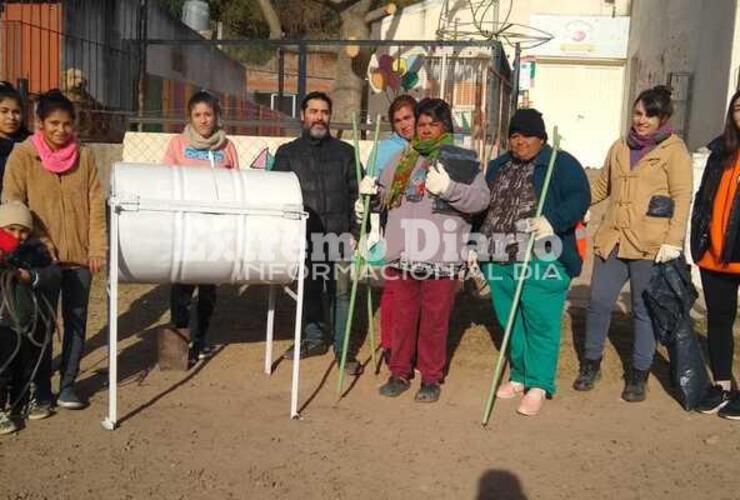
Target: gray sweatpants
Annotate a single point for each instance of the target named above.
(609, 276)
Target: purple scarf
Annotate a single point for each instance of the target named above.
(640, 145)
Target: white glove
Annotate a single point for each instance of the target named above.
(437, 179)
(539, 226)
(359, 210)
(373, 237)
(472, 259)
(667, 253)
(369, 186)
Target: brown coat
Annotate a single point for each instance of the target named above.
(68, 209)
(667, 171)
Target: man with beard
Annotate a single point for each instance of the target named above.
(325, 167)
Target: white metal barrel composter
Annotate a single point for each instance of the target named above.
(201, 225)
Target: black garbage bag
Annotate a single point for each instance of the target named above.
(669, 297)
(462, 166)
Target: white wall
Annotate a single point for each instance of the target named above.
(694, 36)
(585, 102)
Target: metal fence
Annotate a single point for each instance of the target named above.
(362, 76)
(129, 65)
(85, 48)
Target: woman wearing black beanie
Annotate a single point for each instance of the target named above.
(516, 180)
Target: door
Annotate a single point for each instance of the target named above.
(585, 102)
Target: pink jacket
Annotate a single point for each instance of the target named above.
(180, 152)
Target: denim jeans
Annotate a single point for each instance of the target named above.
(331, 279)
(49, 292)
(609, 276)
(75, 294)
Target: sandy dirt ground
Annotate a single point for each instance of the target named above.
(222, 429)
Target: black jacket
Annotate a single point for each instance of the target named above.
(326, 172)
(703, 205)
(46, 277)
(6, 146)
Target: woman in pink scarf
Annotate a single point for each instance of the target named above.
(58, 180)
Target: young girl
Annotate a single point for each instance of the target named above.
(12, 129)
(202, 143)
(58, 180)
(34, 280)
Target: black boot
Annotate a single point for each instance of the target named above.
(589, 373)
(634, 386)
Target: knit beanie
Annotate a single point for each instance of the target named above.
(15, 212)
(528, 122)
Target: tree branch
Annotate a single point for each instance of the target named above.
(380, 13)
(271, 18)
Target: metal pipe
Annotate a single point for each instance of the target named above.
(270, 328)
(111, 421)
(332, 42)
(517, 72)
(302, 70)
(281, 78)
(142, 47)
(298, 326)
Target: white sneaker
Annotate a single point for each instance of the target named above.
(7, 424)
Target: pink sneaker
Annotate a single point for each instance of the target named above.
(532, 402)
(510, 390)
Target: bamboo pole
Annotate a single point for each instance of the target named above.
(519, 287)
(358, 261)
(366, 201)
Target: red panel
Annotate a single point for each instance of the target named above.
(31, 44)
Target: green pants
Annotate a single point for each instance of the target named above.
(535, 337)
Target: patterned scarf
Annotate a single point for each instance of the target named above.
(428, 149)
